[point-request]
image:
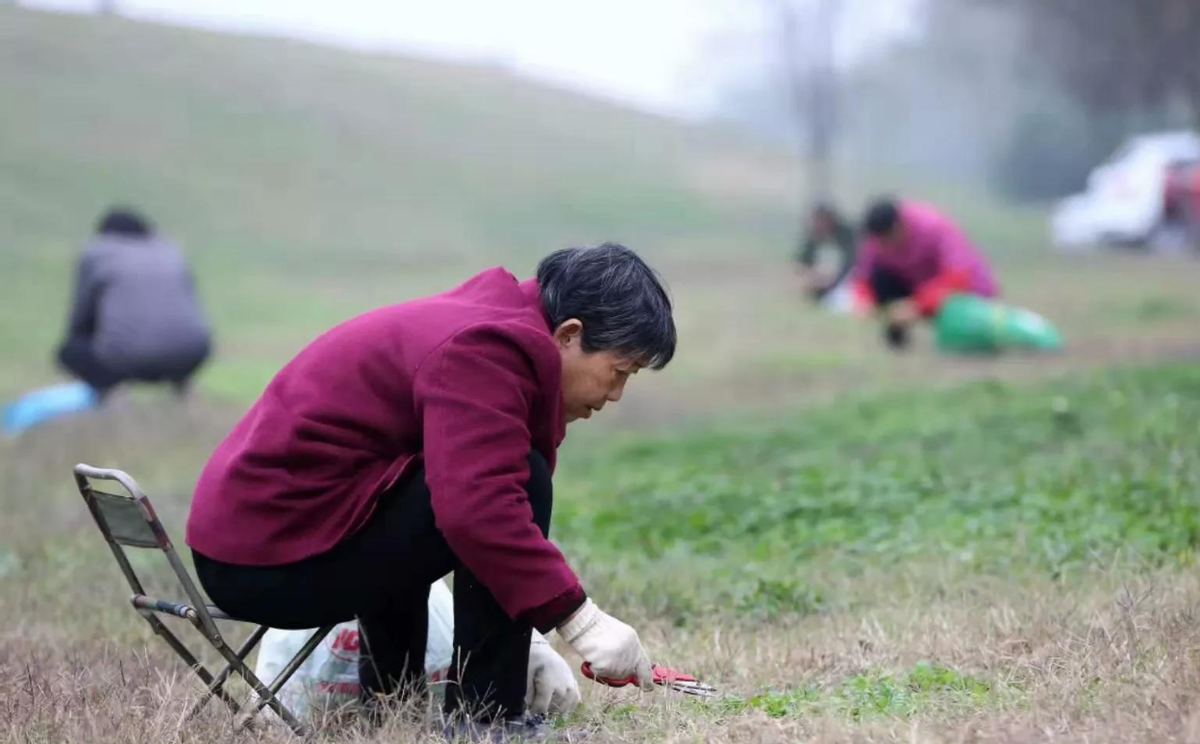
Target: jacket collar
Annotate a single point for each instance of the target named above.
(533, 296)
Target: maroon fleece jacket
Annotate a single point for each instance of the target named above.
(467, 382)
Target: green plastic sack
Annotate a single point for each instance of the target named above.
(972, 324)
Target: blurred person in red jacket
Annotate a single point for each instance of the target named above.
(910, 259)
(420, 439)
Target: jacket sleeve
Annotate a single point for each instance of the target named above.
(931, 294)
(954, 274)
(84, 300)
(475, 394)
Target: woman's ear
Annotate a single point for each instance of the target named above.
(568, 333)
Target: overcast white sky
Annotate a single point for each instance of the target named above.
(646, 52)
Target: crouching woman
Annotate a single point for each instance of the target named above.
(419, 439)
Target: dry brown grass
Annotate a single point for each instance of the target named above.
(1109, 656)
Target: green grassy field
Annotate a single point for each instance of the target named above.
(308, 185)
(856, 546)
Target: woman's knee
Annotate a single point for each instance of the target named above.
(540, 491)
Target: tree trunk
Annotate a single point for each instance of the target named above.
(810, 77)
(823, 90)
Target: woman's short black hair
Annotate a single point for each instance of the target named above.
(124, 221)
(620, 300)
(882, 217)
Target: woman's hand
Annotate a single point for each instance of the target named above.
(611, 647)
(902, 313)
(550, 686)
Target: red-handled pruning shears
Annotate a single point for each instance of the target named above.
(672, 679)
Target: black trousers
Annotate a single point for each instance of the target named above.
(889, 287)
(78, 356)
(382, 575)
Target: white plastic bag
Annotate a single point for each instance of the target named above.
(328, 679)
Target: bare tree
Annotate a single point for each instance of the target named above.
(807, 44)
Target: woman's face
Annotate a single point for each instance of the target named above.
(590, 379)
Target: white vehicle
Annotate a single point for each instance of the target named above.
(1125, 199)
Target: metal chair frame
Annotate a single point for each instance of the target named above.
(129, 521)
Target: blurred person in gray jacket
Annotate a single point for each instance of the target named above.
(135, 315)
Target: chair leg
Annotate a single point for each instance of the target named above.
(236, 663)
(265, 697)
(267, 694)
(216, 685)
(205, 676)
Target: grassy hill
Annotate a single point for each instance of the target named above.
(308, 184)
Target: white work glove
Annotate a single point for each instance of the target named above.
(550, 686)
(610, 646)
